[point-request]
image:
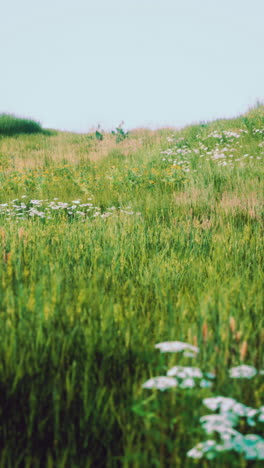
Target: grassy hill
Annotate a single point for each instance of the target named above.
(108, 249)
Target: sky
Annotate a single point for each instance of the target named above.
(74, 64)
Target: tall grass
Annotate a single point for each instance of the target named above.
(11, 125)
(85, 297)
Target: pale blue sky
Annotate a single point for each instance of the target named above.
(72, 64)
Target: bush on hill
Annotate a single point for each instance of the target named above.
(11, 125)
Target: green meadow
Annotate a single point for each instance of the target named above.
(108, 247)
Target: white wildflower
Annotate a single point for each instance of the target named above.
(160, 383)
(175, 347)
(201, 448)
(215, 403)
(188, 383)
(242, 372)
(184, 372)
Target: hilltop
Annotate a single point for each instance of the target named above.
(221, 143)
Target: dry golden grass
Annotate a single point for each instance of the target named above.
(102, 148)
(32, 152)
(190, 197)
(250, 204)
(231, 203)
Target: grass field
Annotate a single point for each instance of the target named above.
(108, 249)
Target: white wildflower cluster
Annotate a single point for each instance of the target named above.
(176, 156)
(225, 149)
(251, 446)
(243, 371)
(229, 410)
(258, 131)
(222, 151)
(179, 376)
(160, 383)
(188, 377)
(48, 209)
(225, 134)
(176, 346)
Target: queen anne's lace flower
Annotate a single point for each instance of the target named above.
(175, 347)
(160, 383)
(242, 372)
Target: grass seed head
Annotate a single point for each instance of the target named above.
(243, 350)
(232, 324)
(205, 331)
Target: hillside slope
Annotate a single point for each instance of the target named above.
(106, 250)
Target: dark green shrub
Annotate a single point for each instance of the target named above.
(99, 136)
(11, 125)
